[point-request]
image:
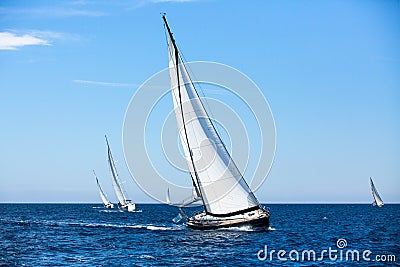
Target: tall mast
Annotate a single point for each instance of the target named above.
(377, 198)
(102, 194)
(196, 178)
(114, 175)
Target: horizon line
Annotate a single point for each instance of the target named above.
(158, 203)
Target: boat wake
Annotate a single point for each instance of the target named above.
(136, 211)
(150, 227)
(136, 226)
(238, 229)
(117, 211)
(246, 228)
(109, 211)
(148, 257)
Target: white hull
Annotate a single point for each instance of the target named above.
(129, 207)
(377, 199)
(109, 206)
(257, 218)
(378, 204)
(227, 198)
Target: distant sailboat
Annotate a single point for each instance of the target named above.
(124, 203)
(377, 199)
(107, 204)
(227, 199)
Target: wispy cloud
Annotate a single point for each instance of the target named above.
(78, 3)
(50, 35)
(172, 1)
(11, 41)
(106, 83)
(142, 3)
(51, 12)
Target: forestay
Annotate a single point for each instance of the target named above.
(377, 199)
(114, 178)
(102, 195)
(216, 177)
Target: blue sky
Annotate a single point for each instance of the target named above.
(329, 70)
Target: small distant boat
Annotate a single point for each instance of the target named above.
(227, 199)
(377, 198)
(124, 204)
(107, 204)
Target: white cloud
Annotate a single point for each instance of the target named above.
(172, 1)
(78, 3)
(11, 41)
(49, 35)
(106, 83)
(51, 12)
(142, 3)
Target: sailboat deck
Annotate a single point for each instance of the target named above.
(257, 218)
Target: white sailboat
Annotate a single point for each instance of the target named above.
(124, 203)
(377, 199)
(107, 204)
(227, 199)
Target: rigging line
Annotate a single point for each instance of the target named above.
(114, 172)
(170, 56)
(198, 190)
(177, 101)
(209, 109)
(219, 137)
(183, 59)
(244, 183)
(215, 126)
(198, 85)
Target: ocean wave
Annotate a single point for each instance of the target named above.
(109, 211)
(117, 211)
(97, 225)
(245, 228)
(138, 211)
(135, 226)
(148, 257)
(162, 228)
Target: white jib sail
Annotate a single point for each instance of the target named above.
(222, 186)
(377, 199)
(115, 179)
(102, 194)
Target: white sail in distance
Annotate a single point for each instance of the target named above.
(215, 176)
(102, 194)
(116, 182)
(377, 198)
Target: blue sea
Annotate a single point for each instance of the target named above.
(89, 235)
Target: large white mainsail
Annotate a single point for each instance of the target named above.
(103, 196)
(217, 180)
(377, 198)
(114, 178)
